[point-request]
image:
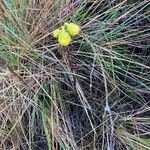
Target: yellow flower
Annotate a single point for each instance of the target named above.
(56, 33)
(65, 32)
(72, 28)
(64, 38)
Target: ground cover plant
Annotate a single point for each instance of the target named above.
(89, 93)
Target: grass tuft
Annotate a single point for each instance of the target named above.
(92, 94)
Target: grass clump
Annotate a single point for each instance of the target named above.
(92, 93)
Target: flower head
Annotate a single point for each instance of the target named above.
(72, 28)
(65, 32)
(56, 33)
(64, 38)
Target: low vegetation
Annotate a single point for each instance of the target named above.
(89, 94)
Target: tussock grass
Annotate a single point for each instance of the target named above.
(93, 94)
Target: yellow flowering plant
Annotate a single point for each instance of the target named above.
(56, 33)
(72, 28)
(64, 38)
(64, 33)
